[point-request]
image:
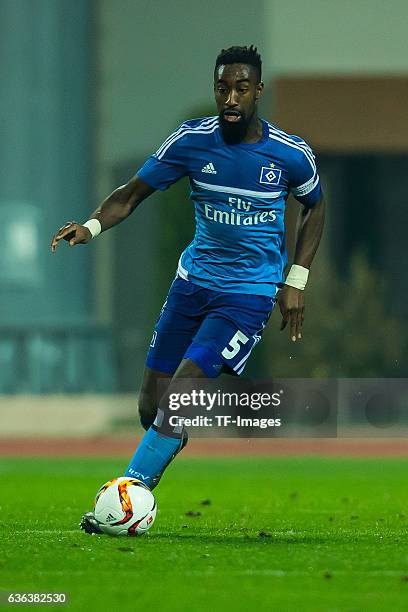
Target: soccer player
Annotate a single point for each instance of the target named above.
(241, 170)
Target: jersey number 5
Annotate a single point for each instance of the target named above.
(235, 343)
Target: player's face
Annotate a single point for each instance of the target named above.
(236, 89)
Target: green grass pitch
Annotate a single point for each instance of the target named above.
(278, 534)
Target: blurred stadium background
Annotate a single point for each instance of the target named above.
(90, 89)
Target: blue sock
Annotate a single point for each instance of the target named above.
(152, 455)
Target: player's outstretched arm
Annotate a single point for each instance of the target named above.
(291, 298)
(117, 207)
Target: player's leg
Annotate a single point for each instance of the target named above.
(148, 395)
(148, 404)
(179, 320)
(162, 442)
(225, 339)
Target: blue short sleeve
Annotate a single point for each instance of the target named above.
(168, 164)
(304, 178)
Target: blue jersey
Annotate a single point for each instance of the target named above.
(239, 192)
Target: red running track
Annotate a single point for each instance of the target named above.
(120, 446)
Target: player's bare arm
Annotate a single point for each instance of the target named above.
(291, 299)
(114, 209)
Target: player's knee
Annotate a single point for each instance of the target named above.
(147, 410)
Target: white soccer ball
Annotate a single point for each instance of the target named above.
(125, 506)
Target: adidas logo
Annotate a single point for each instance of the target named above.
(110, 517)
(209, 169)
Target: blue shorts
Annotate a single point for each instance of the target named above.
(217, 330)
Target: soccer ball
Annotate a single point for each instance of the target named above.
(125, 506)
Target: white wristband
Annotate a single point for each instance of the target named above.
(94, 227)
(297, 277)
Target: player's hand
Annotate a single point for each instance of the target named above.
(72, 232)
(292, 306)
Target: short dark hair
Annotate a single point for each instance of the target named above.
(240, 55)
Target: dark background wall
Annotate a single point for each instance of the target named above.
(90, 89)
